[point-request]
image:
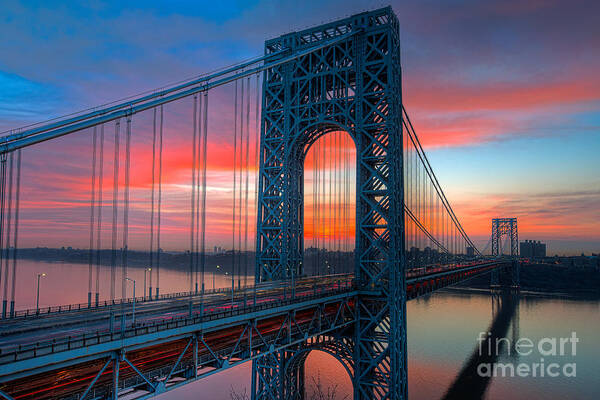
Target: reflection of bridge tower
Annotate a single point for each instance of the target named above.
(508, 227)
(352, 85)
(515, 324)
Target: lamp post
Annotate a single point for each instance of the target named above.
(133, 313)
(146, 270)
(218, 267)
(37, 298)
(232, 287)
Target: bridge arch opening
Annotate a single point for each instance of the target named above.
(329, 198)
(325, 374)
(321, 370)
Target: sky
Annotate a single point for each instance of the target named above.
(504, 94)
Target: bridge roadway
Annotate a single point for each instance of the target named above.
(67, 354)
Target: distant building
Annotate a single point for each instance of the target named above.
(470, 251)
(532, 249)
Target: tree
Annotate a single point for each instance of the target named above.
(319, 392)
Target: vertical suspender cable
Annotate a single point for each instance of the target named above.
(425, 220)
(92, 210)
(198, 194)
(411, 202)
(257, 156)
(338, 163)
(203, 205)
(240, 188)
(8, 227)
(247, 166)
(2, 196)
(418, 206)
(318, 163)
(99, 219)
(340, 174)
(315, 153)
(334, 152)
(193, 197)
(126, 208)
(158, 211)
(16, 234)
(151, 260)
(198, 188)
(431, 214)
(347, 213)
(343, 222)
(115, 210)
(338, 204)
(233, 255)
(408, 199)
(329, 209)
(323, 202)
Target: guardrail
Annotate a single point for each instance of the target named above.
(59, 309)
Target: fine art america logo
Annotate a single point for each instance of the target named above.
(490, 348)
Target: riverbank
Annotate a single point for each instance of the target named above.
(548, 281)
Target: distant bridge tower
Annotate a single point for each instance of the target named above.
(507, 227)
(352, 85)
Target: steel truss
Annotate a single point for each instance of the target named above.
(508, 227)
(352, 85)
(122, 372)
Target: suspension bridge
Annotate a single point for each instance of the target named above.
(336, 216)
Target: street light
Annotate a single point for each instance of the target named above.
(146, 270)
(37, 298)
(133, 314)
(218, 267)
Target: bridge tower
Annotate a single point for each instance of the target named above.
(508, 227)
(351, 83)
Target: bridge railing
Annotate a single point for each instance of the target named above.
(14, 353)
(65, 308)
(30, 312)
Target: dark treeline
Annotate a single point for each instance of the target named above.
(316, 262)
(141, 259)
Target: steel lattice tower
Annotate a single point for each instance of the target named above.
(508, 227)
(352, 85)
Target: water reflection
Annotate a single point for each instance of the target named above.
(469, 384)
